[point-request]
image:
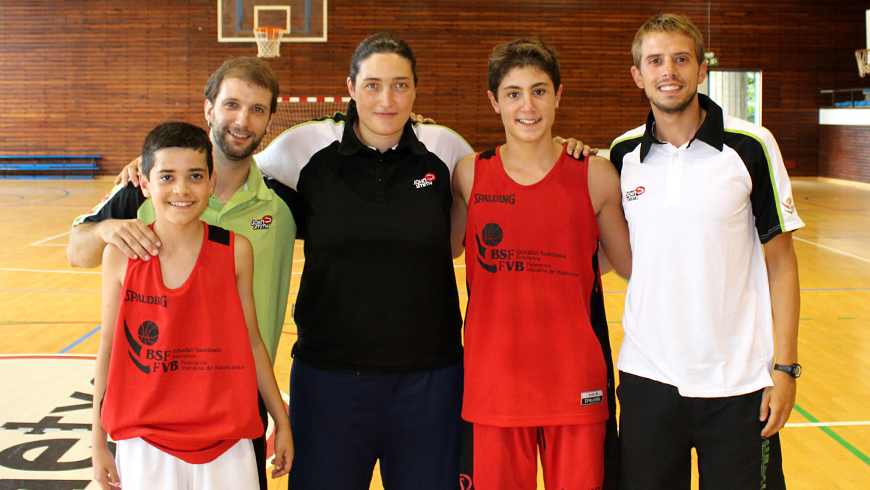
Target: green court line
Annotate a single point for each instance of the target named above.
(846, 318)
(827, 430)
(805, 319)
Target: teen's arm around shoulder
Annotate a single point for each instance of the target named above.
(463, 180)
(114, 269)
(606, 197)
(266, 384)
(785, 300)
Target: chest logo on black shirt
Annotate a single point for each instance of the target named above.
(261, 224)
(426, 181)
(635, 194)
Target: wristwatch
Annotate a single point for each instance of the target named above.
(794, 370)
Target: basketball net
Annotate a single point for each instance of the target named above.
(268, 41)
(863, 58)
(296, 110)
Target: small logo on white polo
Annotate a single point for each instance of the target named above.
(592, 397)
(425, 181)
(633, 195)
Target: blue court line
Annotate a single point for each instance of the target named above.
(79, 341)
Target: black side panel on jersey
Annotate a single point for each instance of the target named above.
(293, 201)
(217, 234)
(763, 197)
(598, 319)
(624, 147)
(486, 155)
(124, 204)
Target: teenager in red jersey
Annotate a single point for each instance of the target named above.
(177, 386)
(538, 370)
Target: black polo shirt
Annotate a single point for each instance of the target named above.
(378, 293)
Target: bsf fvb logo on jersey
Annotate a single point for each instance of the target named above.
(635, 194)
(493, 259)
(155, 360)
(426, 181)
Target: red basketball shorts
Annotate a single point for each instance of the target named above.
(506, 458)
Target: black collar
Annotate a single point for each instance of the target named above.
(350, 143)
(712, 130)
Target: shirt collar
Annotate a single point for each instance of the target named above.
(350, 143)
(254, 187)
(712, 130)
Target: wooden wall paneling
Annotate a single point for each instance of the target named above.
(94, 76)
(844, 152)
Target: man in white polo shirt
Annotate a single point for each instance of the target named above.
(710, 214)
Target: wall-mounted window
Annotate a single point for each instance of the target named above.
(738, 92)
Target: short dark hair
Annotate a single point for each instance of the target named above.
(248, 69)
(671, 23)
(521, 53)
(175, 134)
(381, 43)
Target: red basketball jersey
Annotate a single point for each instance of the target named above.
(531, 355)
(182, 373)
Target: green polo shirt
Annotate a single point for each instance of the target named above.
(257, 213)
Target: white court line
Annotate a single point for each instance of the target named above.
(833, 249)
(50, 238)
(39, 208)
(827, 424)
(52, 272)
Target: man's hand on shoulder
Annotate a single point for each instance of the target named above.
(421, 119)
(130, 173)
(132, 237)
(576, 148)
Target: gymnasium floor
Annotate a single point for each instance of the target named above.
(53, 311)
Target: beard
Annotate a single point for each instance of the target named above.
(219, 138)
(675, 107)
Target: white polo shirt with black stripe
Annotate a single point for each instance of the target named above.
(378, 294)
(697, 310)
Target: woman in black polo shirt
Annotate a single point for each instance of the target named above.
(377, 371)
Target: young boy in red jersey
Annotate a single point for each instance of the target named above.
(177, 386)
(538, 372)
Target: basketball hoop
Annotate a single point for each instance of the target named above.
(863, 57)
(268, 41)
